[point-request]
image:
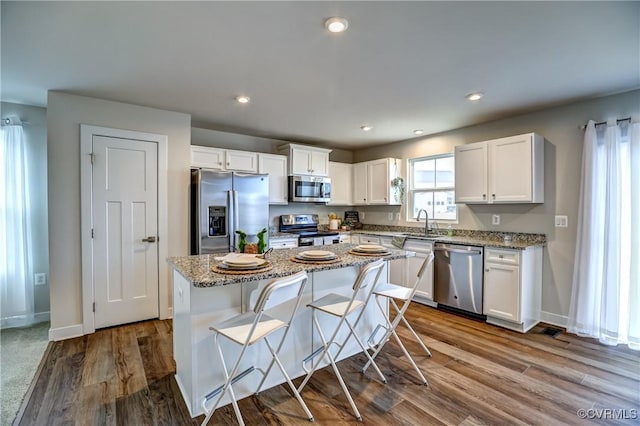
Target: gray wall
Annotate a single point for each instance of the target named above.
(563, 156)
(36, 138)
(65, 113)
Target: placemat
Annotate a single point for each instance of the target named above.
(217, 269)
(358, 253)
(315, 262)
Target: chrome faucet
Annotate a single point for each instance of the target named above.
(426, 220)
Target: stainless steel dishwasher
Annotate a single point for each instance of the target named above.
(458, 273)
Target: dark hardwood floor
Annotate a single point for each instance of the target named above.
(479, 374)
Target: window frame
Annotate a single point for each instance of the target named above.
(411, 190)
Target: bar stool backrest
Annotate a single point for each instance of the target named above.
(368, 275)
(281, 290)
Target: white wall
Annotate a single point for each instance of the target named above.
(36, 138)
(563, 156)
(65, 113)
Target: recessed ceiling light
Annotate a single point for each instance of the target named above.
(243, 99)
(418, 132)
(336, 24)
(474, 96)
(366, 127)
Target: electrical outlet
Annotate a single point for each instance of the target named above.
(361, 216)
(398, 216)
(389, 216)
(496, 219)
(562, 221)
(40, 279)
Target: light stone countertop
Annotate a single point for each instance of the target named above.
(197, 269)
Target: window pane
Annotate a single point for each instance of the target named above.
(422, 200)
(445, 175)
(445, 207)
(424, 174)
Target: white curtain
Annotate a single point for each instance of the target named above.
(605, 301)
(16, 284)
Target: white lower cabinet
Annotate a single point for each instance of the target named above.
(424, 293)
(512, 287)
(397, 267)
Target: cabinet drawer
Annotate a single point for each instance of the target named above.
(509, 257)
(369, 239)
(281, 244)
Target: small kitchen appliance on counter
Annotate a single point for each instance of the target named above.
(306, 227)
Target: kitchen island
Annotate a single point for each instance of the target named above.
(202, 297)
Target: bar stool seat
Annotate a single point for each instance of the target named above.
(251, 327)
(336, 304)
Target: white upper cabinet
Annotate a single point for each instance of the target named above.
(224, 159)
(306, 160)
(276, 167)
(341, 183)
(372, 182)
(506, 170)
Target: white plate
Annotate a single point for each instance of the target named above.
(317, 254)
(370, 247)
(243, 261)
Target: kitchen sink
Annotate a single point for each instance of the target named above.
(420, 234)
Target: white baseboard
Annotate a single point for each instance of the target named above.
(25, 320)
(62, 333)
(554, 319)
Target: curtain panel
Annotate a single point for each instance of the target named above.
(605, 300)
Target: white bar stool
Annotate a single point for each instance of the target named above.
(342, 307)
(251, 327)
(393, 292)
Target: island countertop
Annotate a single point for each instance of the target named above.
(197, 269)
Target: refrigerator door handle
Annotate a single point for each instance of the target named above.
(236, 212)
(231, 221)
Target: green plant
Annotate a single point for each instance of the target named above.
(261, 242)
(398, 187)
(243, 240)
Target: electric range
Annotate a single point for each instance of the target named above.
(306, 227)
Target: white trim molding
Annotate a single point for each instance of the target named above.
(87, 132)
(68, 332)
(554, 319)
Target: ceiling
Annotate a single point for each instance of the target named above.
(400, 66)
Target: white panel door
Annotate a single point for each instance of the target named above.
(125, 224)
(471, 173)
(510, 169)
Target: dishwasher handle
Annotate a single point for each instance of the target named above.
(459, 251)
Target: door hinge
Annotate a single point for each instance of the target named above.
(93, 234)
(93, 157)
(94, 306)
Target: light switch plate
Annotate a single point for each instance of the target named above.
(361, 216)
(40, 279)
(562, 221)
(390, 216)
(496, 219)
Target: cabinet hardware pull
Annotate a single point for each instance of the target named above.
(149, 240)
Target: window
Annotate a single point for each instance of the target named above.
(432, 187)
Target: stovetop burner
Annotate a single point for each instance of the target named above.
(305, 225)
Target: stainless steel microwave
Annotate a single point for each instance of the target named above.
(309, 189)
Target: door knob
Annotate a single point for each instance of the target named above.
(149, 240)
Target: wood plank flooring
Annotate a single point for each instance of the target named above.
(479, 374)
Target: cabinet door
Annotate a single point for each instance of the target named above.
(341, 184)
(319, 161)
(511, 169)
(300, 161)
(378, 182)
(241, 161)
(397, 267)
(276, 167)
(207, 157)
(425, 287)
(502, 291)
(360, 183)
(471, 173)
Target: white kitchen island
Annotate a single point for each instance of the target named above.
(202, 297)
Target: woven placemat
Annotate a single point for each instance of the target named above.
(314, 262)
(219, 270)
(358, 253)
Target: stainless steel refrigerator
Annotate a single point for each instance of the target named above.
(223, 202)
